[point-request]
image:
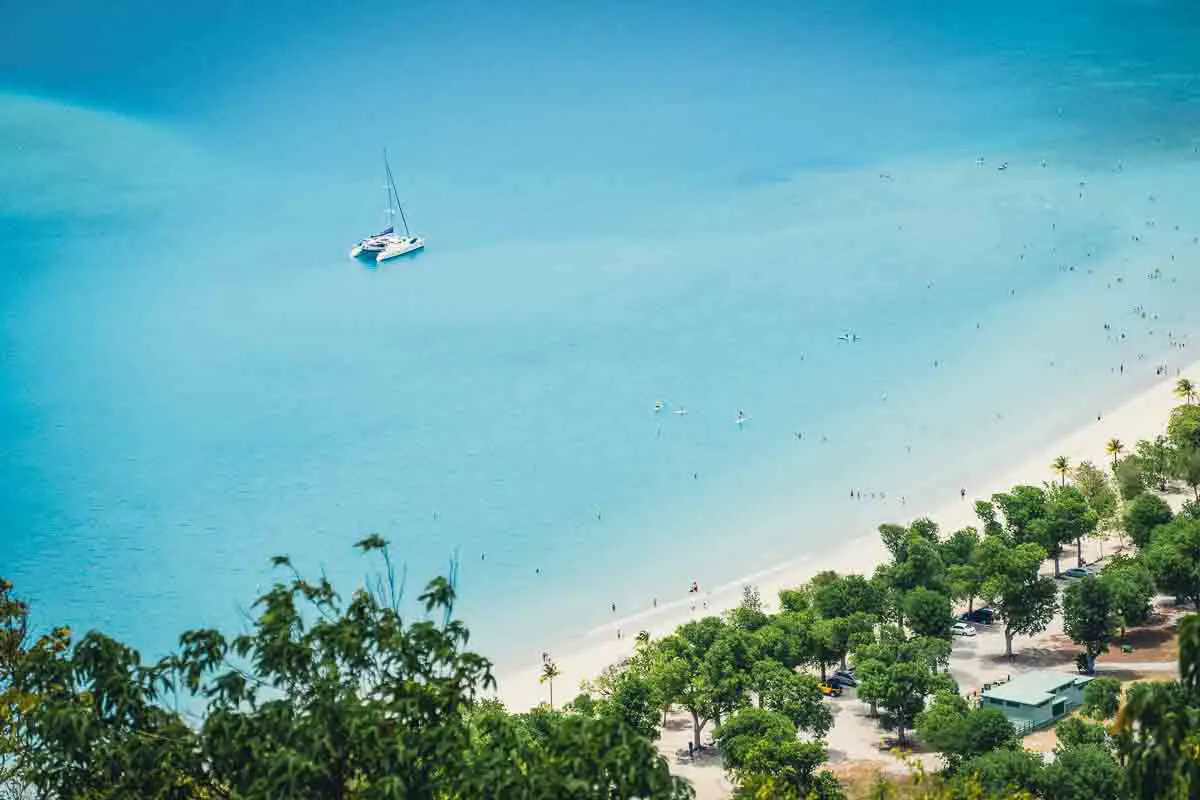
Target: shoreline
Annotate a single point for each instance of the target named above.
(1141, 416)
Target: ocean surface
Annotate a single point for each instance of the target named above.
(995, 206)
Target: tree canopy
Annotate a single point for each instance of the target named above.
(321, 698)
(1026, 600)
(1090, 616)
(1174, 558)
(1143, 514)
(961, 733)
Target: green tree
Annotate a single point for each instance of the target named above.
(921, 566)
(963, 577)
(1026, 600)
(759, 748)
(1186, 389)
(1130, 477)
(1187, 468)
(550, 671)
(960, 733)
(796, 600)
(1074, 731)
(1061, 466)
(1183, 427)
(18, 647)
(845, 595)
(959, 547)
(788, 638)
(1114, 448)
(680, 675)
(1001, 773)
(832, 639)
(1132, 589)
(1174, 558)
(748, 614)
(1143, 514)
(965, 582)
(897, 674)
(97, 730)
(727, 666)
(792, 694)
(1067, 518)
(1155, 459)
(1102, 698)
(547, 753)
(630, 699)
(1022, 507)
(1089, 617)
(928, 613)
(1098, 491)
(897, 538)
(1083, 772)
(986, 511)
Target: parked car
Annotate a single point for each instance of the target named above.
(1077, 572)
(846, 676)
(840, 681)
(982, 616)
(962, 629)
(829, 690)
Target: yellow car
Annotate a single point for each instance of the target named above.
(829, 690)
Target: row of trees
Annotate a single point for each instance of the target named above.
(895, 625)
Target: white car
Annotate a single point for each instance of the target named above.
(962, 629)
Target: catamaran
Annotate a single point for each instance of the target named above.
(387, 243)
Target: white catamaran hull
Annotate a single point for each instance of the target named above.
(400, 247)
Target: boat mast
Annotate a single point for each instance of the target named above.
(389, 210)
(392, 189)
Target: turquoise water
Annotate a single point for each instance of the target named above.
(621, 207)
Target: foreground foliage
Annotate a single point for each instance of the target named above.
(320, 699)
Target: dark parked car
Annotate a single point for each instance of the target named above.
(843, 679)
(982, 616)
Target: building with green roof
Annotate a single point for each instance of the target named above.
(1035, 699)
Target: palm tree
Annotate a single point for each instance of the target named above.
(642, 639)
(1114, 448)
(550, 671)
(1185, 389)
(1062, 466)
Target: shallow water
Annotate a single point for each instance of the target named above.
(690, 208)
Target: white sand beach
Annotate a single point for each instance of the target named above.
(1141, 417)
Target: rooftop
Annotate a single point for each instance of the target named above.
(1033, 688)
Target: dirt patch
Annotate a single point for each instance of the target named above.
(1043, 741)
(1158, 642)
(1155, 643)
(860, 780)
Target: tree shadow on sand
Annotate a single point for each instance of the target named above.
(1059, 652)
(708, 757)
(677, 723)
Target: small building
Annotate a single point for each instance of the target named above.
(1035, 699)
